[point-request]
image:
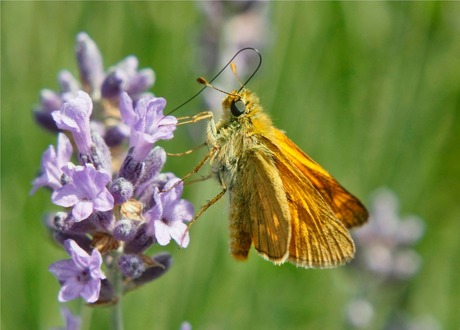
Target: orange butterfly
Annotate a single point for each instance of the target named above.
(281, 201)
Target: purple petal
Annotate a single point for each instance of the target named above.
(126, 109)
(63, 269)
(91, 291)
(75, 251)
(70, 290)
(84, 180)
(82, 210)
(156, 106)
(183, 211)
(176, 192)
(142, 145)
(101, 178)
(41, 181)
(74, 112)
(169, 121)
(104, 201)
(51, 164)
(147, 125)
(50, 176)
(154, 214)
(64, 150)
(170, 198)
(74, 116)
(95, 265)
(85, 185)
(65, 196)
(162, 232)
(179, 232)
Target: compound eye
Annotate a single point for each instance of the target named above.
(237, 108)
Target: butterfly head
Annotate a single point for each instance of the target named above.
(240, 103)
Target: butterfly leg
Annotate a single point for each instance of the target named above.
(207, 205)
(205, 115)
(195, 170)
(204, 208)
(196, 118)
(187, 152)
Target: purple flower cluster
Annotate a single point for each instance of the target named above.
(116, 201)
(385, 261)
(386, 243)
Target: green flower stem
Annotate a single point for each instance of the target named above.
(116, 312)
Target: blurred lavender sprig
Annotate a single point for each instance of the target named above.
(72, 322)
(386, 243)
(230, 26)
(105, 173)
(386, 260)
(103, 87)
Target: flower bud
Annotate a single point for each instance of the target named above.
(124, 230)
(131, 169)
(121, 190)
(115, 135)
(162, 262)
(140, 242)
(131, 265)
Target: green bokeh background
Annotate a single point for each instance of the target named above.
(370, 90)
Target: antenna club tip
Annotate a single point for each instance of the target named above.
(202, 81)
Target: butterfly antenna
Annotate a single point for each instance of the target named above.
(208, 84)
(235, 73)
(253, 73)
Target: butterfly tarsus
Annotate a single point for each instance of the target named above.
(195, 118)
(202, 178)
(188, 152)
(195, 170)
(203, 209)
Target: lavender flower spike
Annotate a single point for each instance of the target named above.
(74, 116)
(86, 191)
(166, 219)
(79, 276)
(147, 123)
(72, 322)
(52, 162)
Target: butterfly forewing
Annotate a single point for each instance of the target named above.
(345, 206)
(260, 211)
(318, 238)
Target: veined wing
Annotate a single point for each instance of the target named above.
(345, 206)
(259, 210)
(318, 238)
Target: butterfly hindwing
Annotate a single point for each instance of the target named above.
(318, 238)
(345, 206)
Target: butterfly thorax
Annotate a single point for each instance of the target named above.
(236, 136)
